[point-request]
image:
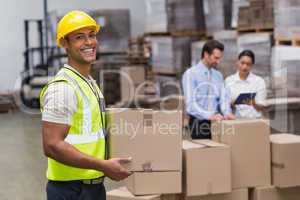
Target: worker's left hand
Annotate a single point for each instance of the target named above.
(230, 117)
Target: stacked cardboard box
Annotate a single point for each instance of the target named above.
(236, 5)
(260, 44)
(139, 50)
(115, 29)
(134, 133)
(131, 78)
(284, 165)
(202, 173)
(250, 150)
(285, 74)
(273, 193)
(258, 15)
(171, 55)
(285, 176)
(174, 16)
(228, 63)
(240, 194)
(287, 19)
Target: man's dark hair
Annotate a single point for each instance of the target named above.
(248, 53)
(210, 46)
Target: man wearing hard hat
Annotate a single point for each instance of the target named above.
(74, 120)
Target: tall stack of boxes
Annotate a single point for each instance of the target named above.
(258, 15)
(214, 15)
(174, 16)
(171, 55)
(287, 19)
(115, 29)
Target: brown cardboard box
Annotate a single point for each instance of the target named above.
(285, 165)
(135, 73)
(240, 194)
(123, 194)
(273, 193)
(152, 138)
(250, 150)
(131, 78)
(244, 20)
(207, 168)
(145, 183)
(257, 16)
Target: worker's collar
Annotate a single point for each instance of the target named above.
(77, 72)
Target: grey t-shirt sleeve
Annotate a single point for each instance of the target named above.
(60, 103)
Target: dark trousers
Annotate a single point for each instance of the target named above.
(199, 129)
(74, 190)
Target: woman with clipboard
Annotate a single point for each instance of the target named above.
(247, 90)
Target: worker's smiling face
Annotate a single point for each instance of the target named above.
(81, 45)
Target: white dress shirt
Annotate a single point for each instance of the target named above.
(253, 84)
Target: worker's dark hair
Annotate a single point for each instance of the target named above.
(210, 46)
(248, 53)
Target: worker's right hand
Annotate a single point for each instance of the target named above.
(114, 169)
(216, 117)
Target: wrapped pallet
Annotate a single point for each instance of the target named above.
(174, 15)
(260, 44)
(171, 55)
(287, 19)
(228, 64)
(115, 29)
(196, 49)
(236, 4)
(214, 16)
(285, 70)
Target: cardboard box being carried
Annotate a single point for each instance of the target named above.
(273, 193)
(145, 183)
(285, 165)
(250, 150)
(240, 194)
(207, 168)
(144, 135)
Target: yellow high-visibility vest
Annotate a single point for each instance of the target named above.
(87, 131)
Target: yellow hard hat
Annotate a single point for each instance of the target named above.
(73, 21)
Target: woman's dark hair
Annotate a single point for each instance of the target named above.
(248, 53)
(210, 46)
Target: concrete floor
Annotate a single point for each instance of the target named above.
(22, 163)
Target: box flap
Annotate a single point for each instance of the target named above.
(191, 145)
(285, 138)
(209, 143)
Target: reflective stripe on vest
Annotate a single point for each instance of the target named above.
(86, 132)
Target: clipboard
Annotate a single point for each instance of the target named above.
(243, 98)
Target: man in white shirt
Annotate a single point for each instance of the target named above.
(246, 82)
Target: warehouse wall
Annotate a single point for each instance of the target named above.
(14, 12)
